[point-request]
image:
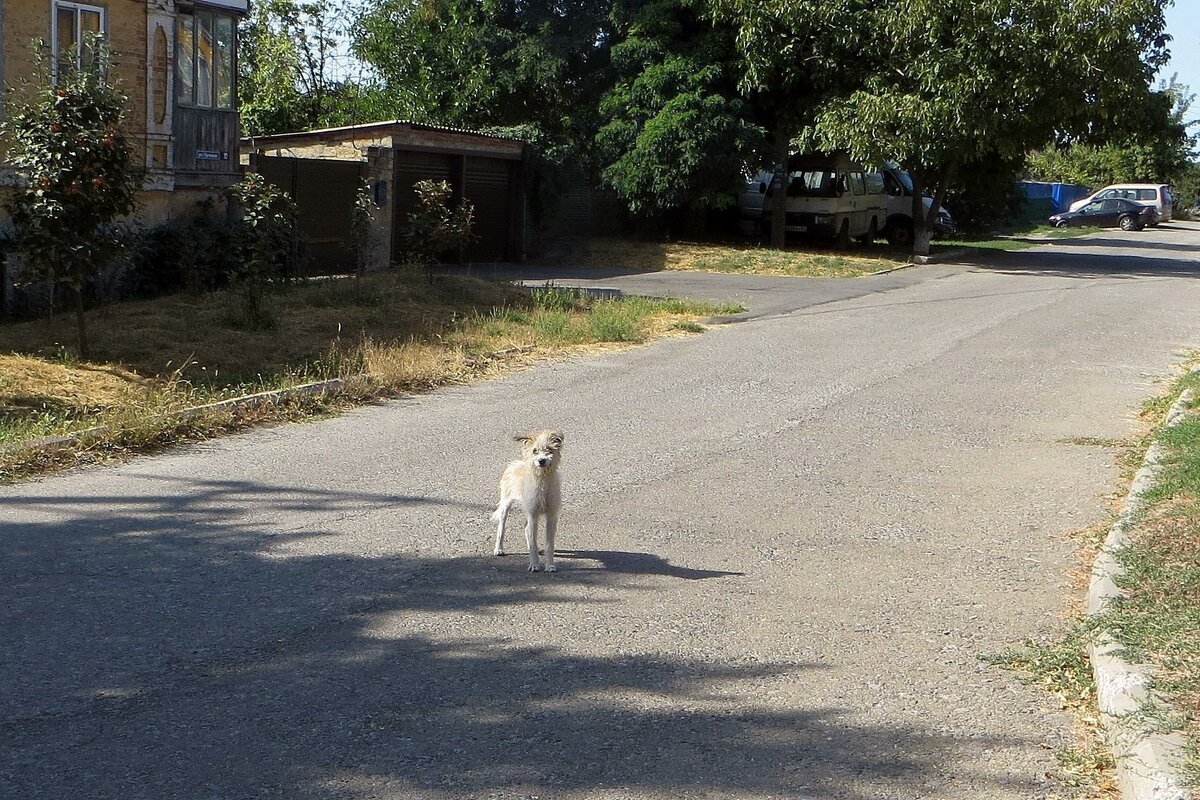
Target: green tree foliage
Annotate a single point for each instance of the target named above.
(794, 54)
(1151, 145)
(288, 75)
(480, 63)
(941, 86)
(945, 84)
(676, 132)
(67, 143)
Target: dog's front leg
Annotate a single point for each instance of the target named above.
(551, 529)
(531, 526)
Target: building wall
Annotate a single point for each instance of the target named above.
(26, 20)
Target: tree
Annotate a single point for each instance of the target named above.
(942, 85)
(67, 143)
(293, 73)
(480, 63)
(676, 132)
(268, 243)
(1152, 145)
(948, 83)
(794, 54)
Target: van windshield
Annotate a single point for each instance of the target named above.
(813, 183)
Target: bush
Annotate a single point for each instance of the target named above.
(267, 241)
(435, 228)
(180, 255)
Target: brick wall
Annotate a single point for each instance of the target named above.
(125, 20)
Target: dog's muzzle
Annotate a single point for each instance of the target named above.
(542, 462)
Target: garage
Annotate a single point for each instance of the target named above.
(483, 170)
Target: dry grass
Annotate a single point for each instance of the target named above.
(807, 261)
(393, 334)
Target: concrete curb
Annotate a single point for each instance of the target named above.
(1147, 759)
(938, 258)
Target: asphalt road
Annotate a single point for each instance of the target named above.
(785, 544)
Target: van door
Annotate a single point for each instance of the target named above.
(860, 214)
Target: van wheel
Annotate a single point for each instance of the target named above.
(900, 234)
(872, 232)
(842, 242)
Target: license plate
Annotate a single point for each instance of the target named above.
(798, 228)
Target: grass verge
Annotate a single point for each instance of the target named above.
(1157, 621)
(392, 334)
(739, 257)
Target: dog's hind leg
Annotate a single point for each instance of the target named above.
(531, 526)
(501, 517)
(551, 529)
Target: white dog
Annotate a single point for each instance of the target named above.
(533, 482)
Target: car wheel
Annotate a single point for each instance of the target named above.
(899, 234)
(1062, 223)
(1128, 223)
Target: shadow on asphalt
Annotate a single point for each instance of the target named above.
(1067, 264)
(158, 647)
(641, 564)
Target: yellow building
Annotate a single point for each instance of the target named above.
(177, 60)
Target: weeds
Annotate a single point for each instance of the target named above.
(399, 334)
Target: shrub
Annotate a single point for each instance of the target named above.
(195, 256)
(268, 243)
(436, 228)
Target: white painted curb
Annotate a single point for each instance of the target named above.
(1147, 759)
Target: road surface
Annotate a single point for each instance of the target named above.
(785, 545)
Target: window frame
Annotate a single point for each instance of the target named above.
(214, 72)
(75, 8)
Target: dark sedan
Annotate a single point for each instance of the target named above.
(1126, 214)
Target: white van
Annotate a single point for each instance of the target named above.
(898, 225)
(1157, 195)
(830, 197)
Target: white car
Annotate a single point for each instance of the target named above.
(1156, 195)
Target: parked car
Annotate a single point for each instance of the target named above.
(829, 196)
(750, 201)
(1127, 214)
(1156, 195)
(898, 228)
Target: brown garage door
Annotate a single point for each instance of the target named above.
(412, 167)
(486, 183)
(323, 190)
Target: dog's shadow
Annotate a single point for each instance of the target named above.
(642, 564)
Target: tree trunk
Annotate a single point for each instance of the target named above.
(81, 324)
(921, 232)
(779, 182)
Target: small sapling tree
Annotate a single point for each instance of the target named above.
(435, 227)
(76, 172)
(268, 243)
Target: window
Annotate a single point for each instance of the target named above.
(857, 184)
(874, 183)
(204, 59)
(75, 26)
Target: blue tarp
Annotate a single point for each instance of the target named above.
(1061, 195)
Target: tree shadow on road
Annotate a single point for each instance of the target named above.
(1064, 261)
(175, 644)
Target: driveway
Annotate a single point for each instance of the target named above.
(785, 544)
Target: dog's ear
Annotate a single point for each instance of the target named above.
(523, 439)
(556, 439)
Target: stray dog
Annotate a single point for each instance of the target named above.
(533, 482)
